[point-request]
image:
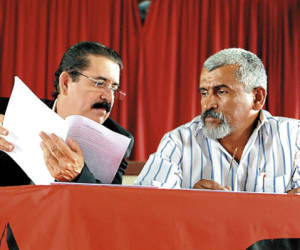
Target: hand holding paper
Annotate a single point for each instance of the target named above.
(26, 116)
(4, 144)
(64, 161)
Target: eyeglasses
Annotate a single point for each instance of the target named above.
(104, 84)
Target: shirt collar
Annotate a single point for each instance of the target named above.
(54, 105)
(199, 126)
(263, 118)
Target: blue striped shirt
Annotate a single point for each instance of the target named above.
(185, 156)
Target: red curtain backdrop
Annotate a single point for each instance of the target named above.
(162, 58)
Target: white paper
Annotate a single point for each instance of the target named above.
(26, 116)
(103, 149)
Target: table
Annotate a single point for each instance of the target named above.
(117, 217)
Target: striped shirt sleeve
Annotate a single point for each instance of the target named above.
(163, 167)
(296, 161)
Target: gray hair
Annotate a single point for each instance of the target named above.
(251, 69)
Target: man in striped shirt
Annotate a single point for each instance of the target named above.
(234, 144)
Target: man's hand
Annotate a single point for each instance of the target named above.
(4, 144)
(209, 184)
(294, 191)
(64, 161)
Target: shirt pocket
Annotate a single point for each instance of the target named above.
(276, 184)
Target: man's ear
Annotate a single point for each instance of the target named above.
(64, 80)
(259, 99)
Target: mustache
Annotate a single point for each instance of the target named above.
(102, 105)
(213, 114)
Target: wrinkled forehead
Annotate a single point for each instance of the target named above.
(102, 66)
(220, 75)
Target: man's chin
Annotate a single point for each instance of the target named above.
(212, 122)
(99, 115)
(101, 119)
(216, 132)
(211, 125)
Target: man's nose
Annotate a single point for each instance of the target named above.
(210, 102)
(106, 94)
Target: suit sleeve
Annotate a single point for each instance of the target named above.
(119, 175)
(86, 176)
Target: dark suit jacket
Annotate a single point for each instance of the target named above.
(12, 174)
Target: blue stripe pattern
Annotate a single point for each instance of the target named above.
(247, 168)
(186, 156)
(257, 164)
(201, 169)
(191, 159)
(211, 161)
(274, 165)
(283, 154)
(221, 168)
(290, 146)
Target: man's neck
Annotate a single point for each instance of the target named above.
(59, 108)
(54, 105)
(238, 139)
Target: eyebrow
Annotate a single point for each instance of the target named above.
(105, 79)
(216, 87)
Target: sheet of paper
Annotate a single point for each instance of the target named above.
(103, 149)
(25, 117)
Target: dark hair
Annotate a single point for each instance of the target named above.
(75, 59)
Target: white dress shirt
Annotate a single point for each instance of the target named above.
(186, 156)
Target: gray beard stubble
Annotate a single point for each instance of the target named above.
(218, 132)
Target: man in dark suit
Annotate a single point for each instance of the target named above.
(87, 83)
